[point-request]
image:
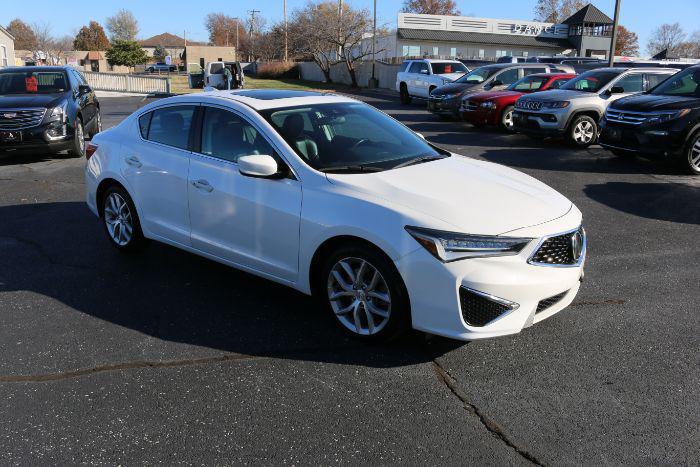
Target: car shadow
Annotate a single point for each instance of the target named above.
(175, 296)
(27, 157)
(670, 202)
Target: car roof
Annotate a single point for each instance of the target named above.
(551, 75)
(621, 70)
(261, 99)
(34, 68)
(433, 60)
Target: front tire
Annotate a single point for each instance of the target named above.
(363, 290)
(692, 154)
(78, 147)
(403, 94)
(507, 119)
(582, 132)
(121, 221)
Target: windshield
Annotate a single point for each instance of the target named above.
(478, 76)
(444, 68)
(591, 81)
(28, 82)
(352, 136)
(528, 84)
(686, 84)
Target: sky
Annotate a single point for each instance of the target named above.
(177, 16)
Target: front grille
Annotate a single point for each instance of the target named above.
(547, 303)
(565, 249)
(631, 118)
(19, 119)
(528, 105)
(480, 309)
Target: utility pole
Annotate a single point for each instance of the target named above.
(616, 19)
(340, 28)
(238, 22)
(252, 24)
(285, 31)
(374, 45)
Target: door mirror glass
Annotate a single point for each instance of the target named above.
(496, 82)
(83, 89)
(258, 165)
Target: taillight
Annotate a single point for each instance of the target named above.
(90, 150)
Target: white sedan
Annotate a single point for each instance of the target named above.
(334, 198)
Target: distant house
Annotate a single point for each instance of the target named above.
(174, 45)
(7, 48)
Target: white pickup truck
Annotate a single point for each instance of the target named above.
(418, 78)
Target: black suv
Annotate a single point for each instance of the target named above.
(46, 109)
(664, 121)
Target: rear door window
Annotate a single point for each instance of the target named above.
(227, 136)
(631, 83)
(508, 76)
(171, 125)
(417, 67)
(655, 79)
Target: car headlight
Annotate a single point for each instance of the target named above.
(555, 105)
(59, 113)
(488, 105)
(453, 246)
(663, 117)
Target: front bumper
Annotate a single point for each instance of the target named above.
(444, 106)
(479, 116)
(538, 291)
(551, 122)
(47, 137)
(653, 140)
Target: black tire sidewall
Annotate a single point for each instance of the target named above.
(574, 123)
(137, 239)
(403, 92)
(400, 317)
(75, 149)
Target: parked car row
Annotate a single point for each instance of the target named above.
(647, 110)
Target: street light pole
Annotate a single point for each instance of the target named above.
(611, 61)
(374, 39)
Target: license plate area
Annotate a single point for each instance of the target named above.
(10, 136)
(614, 134)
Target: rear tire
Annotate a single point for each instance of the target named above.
(365, 294)
(121, 221)
(582, 132)
(78, 147)
(403, 93)
(692, 154)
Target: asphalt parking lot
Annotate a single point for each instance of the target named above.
(169, 357)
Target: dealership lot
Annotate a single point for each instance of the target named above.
(166, 356)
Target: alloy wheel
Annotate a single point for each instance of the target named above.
(508, 120)
(118, 219)
(80, 136)
(694, 157)
(359, 296)
(99, 123)
(584, 132)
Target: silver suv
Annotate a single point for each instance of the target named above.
(575, 109)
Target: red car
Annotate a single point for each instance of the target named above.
(496, 107)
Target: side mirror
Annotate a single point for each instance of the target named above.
(258, 165)
(84, 89)
(617, 90)
(496, 82)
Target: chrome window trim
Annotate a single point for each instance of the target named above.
(578, 263)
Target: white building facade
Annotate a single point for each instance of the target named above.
(7, 48)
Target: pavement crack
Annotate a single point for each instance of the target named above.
(63, 375)
(491, 426)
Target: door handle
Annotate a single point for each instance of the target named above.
(202, 185)
(133, 160)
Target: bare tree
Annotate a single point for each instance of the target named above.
(356, 26)
(666, 37)
(123, 26)
(59, 48)
(431, 7)
(556, 11)
(43, 42)
(310, 28)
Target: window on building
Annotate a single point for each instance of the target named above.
(525, 54)
(482, 54)
(436, 52)
(453, 52)
(3, 55)
(411, 50)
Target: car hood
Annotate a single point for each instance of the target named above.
(493, 95)
(651, 102)
(554, 95)
(452, 88)
(451, 76)
(473, 196)
(29, 100)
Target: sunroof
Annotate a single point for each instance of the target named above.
(270, 94)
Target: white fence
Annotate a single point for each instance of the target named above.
(385, 73)
(127, 83)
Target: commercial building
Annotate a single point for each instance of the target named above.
(7, 48)
(588, 32)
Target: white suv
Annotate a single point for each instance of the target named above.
(418, 78)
